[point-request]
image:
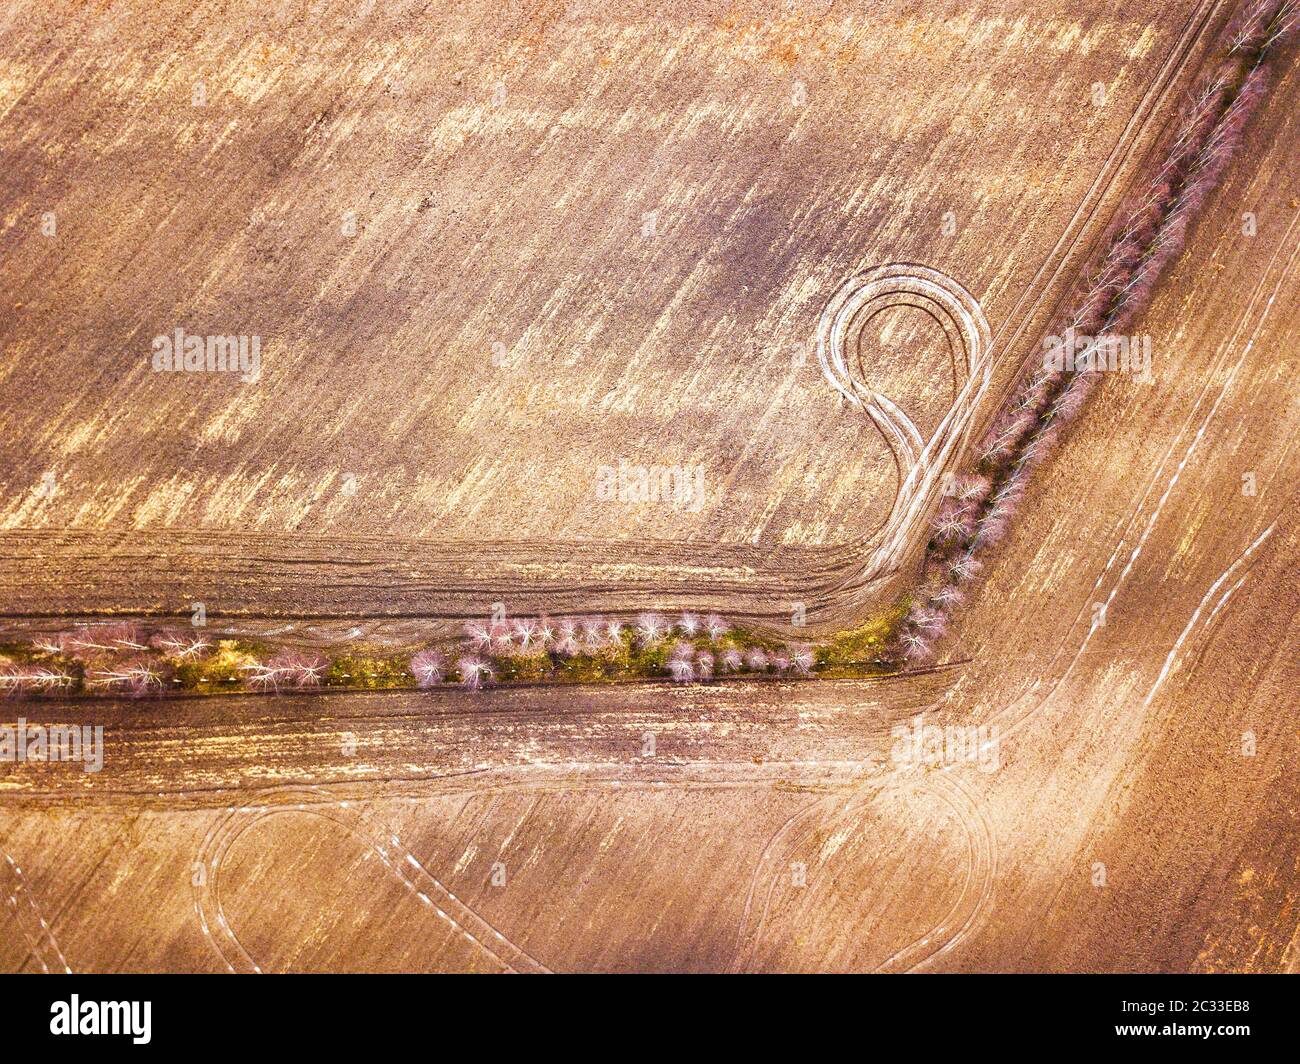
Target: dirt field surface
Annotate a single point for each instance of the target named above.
(494, 253)
(1123, 679)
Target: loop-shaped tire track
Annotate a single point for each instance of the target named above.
(921, 462)
(961, 917)
(384, 843)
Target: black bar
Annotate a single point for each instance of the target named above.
(806, 1015)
